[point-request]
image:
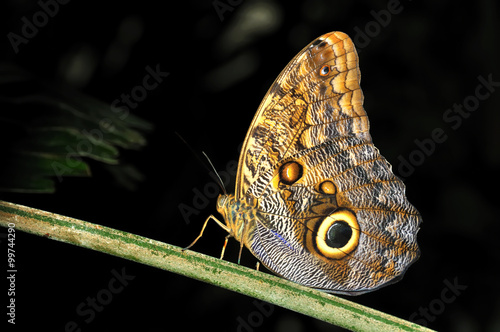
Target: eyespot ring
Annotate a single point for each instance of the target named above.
(338, 234)
(324, 70)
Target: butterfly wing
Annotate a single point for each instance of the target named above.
(303, 109)
(330, 212)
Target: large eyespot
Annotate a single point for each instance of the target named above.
(325, 70)
(338, 234)
(290, 172)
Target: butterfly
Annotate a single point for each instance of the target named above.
(315, 201)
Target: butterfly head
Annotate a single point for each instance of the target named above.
(238, 214)
(222, 203)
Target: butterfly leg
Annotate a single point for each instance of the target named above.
(224, 246)
(203, 229)
(241, 250)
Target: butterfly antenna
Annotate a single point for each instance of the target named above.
(195, 153)
(221, 183)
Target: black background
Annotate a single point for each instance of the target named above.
(416, 65)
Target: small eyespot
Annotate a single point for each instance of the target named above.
(327, 187)
(325, 70)
(319, 43)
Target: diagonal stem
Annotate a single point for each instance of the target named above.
(269, 288)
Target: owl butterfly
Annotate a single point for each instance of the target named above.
(315, 202)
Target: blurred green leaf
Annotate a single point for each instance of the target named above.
(48, 132)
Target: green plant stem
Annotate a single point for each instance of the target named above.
(263, 286)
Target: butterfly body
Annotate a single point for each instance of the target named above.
(315, 201)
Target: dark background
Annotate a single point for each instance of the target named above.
(417, 64)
